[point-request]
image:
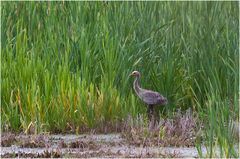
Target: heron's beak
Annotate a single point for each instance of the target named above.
(130, 75)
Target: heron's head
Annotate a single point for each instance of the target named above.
(135, 73)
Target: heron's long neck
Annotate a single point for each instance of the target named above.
(136, 85)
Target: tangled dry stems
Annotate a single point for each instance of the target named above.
(181, 130)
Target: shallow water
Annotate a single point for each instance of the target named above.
(110, 145)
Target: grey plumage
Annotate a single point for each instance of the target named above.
(149, 97)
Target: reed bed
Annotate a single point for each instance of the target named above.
(65, 65)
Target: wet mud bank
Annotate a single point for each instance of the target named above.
(110, 145)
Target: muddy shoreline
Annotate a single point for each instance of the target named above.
(87, 145)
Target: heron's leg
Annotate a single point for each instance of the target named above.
(157, 116)
(150, 112)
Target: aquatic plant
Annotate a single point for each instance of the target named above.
(65, 65)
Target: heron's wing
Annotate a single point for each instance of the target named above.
(151, 97)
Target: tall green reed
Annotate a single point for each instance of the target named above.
(65, 65)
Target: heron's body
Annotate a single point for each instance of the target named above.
(147, 96)
(151, 98)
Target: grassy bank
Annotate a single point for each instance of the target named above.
(65, 65)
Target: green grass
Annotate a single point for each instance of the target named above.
(65, 65)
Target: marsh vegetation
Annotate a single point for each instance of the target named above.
(65, 67)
